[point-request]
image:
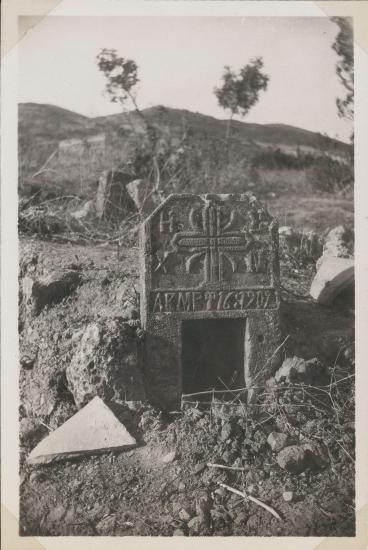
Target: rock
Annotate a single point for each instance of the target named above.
(226, 431)
(292, 369)
(113, 202)
(292, 459)
(37, 293)
(184, 515)
(241, 518)
(277, 441)
(198, 468)
(316, 456)
(31, 431)
(85, 211)
(334, 276)
(27, 361)
(203, 508)
(105, 363)
(195, 525)
(288, 496)
(169, 457)
(339, 243)
(178, 533)
(92, 430)
(297, 370)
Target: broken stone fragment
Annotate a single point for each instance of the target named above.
(277, 441)
(292, 459)
(92, 430)
(334, 276)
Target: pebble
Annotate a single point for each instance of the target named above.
(292, 459)
(241, 518)
(277, 441)
(198, 468)
(178, 533)
(184, 515)
(170, 457)
(288, 496)
(195, 524)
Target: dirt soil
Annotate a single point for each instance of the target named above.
(165, 486)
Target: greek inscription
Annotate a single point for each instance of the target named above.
(184, 301)
(196, 300)
(167, 223)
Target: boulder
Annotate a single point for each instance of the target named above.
(334, 276)
(92, 430)
(105, 363)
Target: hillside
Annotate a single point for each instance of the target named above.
(42, 122)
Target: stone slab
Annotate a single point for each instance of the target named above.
(91, 430)
(207, 257)
(333, 277)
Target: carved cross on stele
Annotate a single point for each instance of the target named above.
(214, 243)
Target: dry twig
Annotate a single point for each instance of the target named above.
(253, 499)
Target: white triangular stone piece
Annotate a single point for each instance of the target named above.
(333, 276)
(91, 430)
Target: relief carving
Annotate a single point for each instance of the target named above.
(212, 245)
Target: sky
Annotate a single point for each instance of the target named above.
(181, 60)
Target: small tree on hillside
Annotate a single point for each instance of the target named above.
(344, 47)
(240, 91)
(121, 75)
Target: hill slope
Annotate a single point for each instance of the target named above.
(42, 122)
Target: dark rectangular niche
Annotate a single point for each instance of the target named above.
(212, 350)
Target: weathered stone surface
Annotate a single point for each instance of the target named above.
(213, 259)
(334, 276)
(292, 459)
(277, 441)
(113, 201)
(106, 364)
(93, 429)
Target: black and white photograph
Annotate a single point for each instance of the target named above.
(186, 313)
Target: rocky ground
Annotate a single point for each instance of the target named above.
(293, 449)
